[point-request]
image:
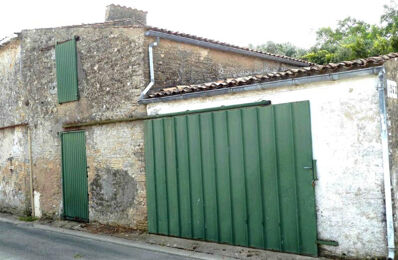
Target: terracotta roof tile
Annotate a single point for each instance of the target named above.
(281, 75)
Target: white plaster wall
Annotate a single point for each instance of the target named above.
(347, 146)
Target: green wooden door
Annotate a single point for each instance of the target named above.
(74, 176)
(241, 176)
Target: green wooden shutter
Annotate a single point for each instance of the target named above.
(66, 61)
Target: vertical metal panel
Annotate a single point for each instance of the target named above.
(287, 185)
(209, 178)
(66, 65)
(184, 182)
(238, 176)
(221, 152)
(196, 176)
(150, 177)
(306, 198)
(160, 177)
(238, 182)
(172, 180)
(253, 178)
(270, 179)
(74, 172)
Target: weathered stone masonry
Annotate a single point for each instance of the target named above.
(110, 81)
(14, 196)
(113, 71)
(14, 182)
(180, 64)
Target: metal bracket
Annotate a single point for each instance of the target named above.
(314, 170)
(327, 242)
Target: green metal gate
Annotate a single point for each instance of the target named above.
(74, 176)
(241, 176)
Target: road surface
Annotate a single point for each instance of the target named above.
(23, 241)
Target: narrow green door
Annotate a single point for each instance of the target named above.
(74, 176)
(240, 176)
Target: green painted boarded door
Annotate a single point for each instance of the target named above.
(240, 176)
(74, 176)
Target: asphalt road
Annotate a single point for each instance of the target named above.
(21, 241)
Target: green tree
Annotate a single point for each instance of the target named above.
(287, 49)
(389, 21)
(351, 39)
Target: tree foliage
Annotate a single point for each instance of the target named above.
(287, 49)
(351, 39)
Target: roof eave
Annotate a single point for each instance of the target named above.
(269, 85)
(212, 45)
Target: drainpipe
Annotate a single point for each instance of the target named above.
(151, 70)
(386, 164)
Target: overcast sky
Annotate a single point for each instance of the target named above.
(238, 22)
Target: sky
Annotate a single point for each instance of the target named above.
(241, 22)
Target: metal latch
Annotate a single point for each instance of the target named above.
(313, 168)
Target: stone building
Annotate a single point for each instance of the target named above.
(110, 72)
(241, 147)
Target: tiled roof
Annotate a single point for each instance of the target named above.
(119, 24)
(225, 44)
(287, 74)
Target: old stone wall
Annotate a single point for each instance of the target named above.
(111, 77)
(11, 92)
(14, 185)
(345, 125)
(392, 116)
(116, 175)
(177, 63)
(14, 180)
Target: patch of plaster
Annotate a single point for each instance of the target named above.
(113, 191)
(36, 197)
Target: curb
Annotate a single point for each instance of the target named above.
(119, 241)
